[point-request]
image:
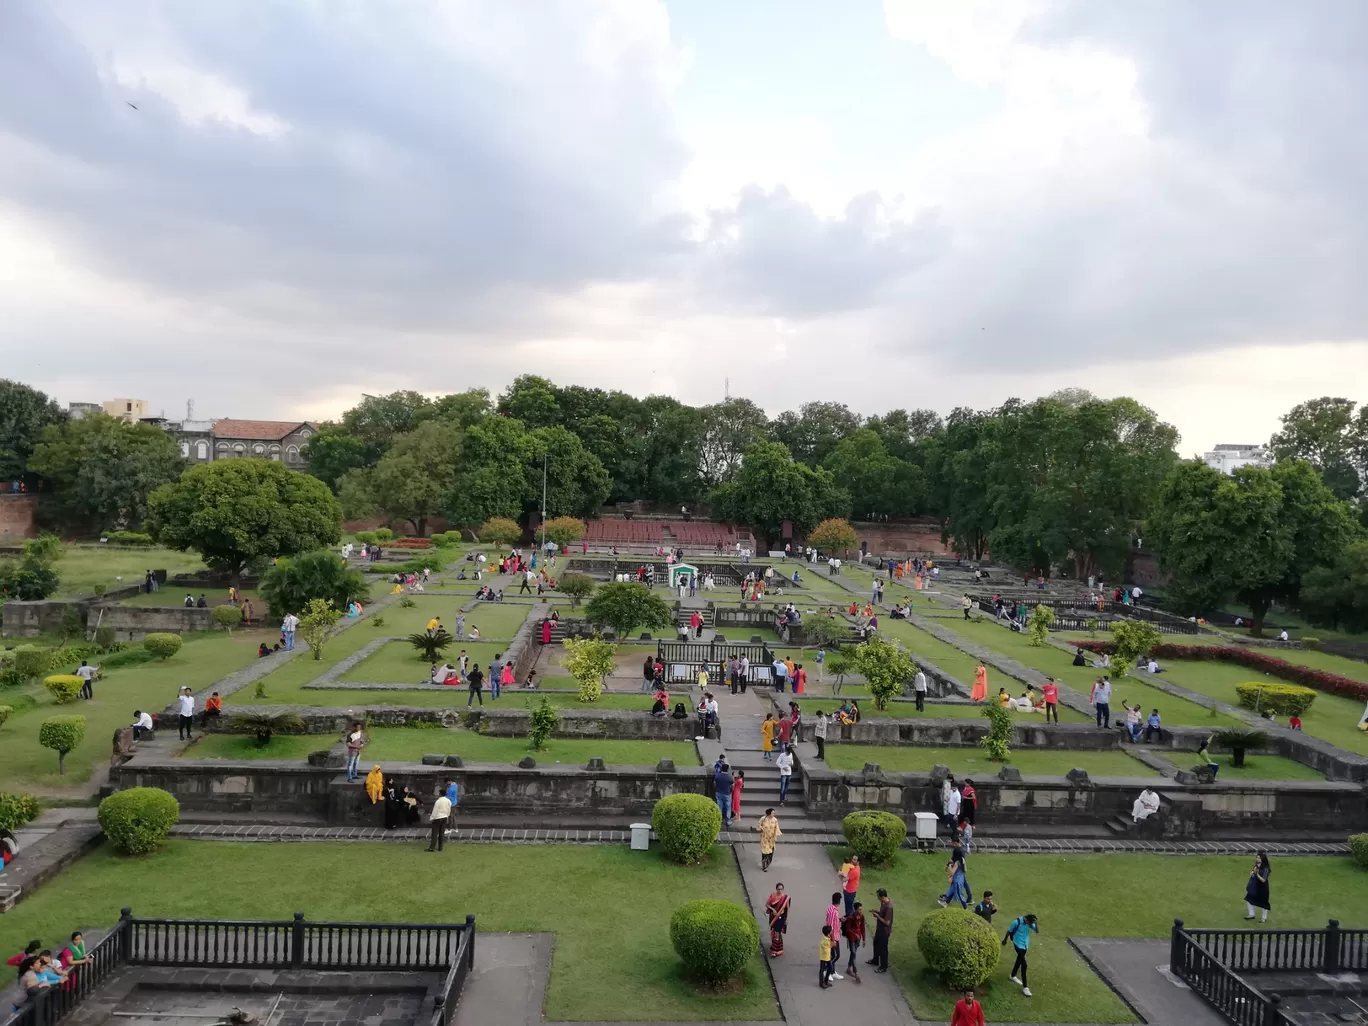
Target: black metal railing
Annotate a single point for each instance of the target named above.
(444, 1005)
(1218, 985)
(1330, 950)
(265, 944)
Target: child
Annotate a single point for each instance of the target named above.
(1294, 721)
(967, 837)
(531, 681)
(824, 954)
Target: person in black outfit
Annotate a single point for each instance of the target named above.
(475, 680)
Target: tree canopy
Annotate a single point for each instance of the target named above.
(24, 413)
(771, 487)
(243, 513)
(627, 606)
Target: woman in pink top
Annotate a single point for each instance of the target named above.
(506, 679)
(738, 781)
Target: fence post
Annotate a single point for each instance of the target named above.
(1176, 948)
(1272, 1013)
(1331, 960)
(126, 934)
(470, 942)
(297, 942)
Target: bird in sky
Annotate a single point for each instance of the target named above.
(131, 104)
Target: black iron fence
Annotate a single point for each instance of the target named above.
(1211, 963)
(1075, 614)
(295, 944)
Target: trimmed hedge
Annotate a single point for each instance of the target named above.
(1358, 848)
(715, 939)
(128, 538)
(958, 946)
(62, 734)
(64, 687)
(1279, 699)
(137, 820)
(16, 810)
(163, 646)
(874, 836)
(1320, 680)
(687, 826)
(5, 711)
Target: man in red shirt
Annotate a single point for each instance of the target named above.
(1051, 692)
(968, 1012)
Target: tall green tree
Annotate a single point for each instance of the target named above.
(492, 480)
(576, 483)
(1337, 596)
(412, 481)
(627, 606)
(771, 487)
(102, 469)
(24, 413)
(531, 400)
(332, 451)
(729, 430)
(464, 409)
(242, 513)
(1326, 433)
(878, 482)
(378, 418)
(815, 430)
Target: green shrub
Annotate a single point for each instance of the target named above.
(1279, 699)
(874, 836)
(163, 646)
(687, 826)
(406, 603)
(365, 537)
(958, 946)
(1358, 848)
(715, 939)
(226, 617)
(63, 687)
(5, 711)
(128, 538)
(1038, 625)
(32, 661)
(16, 810)
(1310, 642)
(62, 734)
(542, 723)
(127, 657)
(136, 821)
(996, 744)
(105, 638)
(384, 534)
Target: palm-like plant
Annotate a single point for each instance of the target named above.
(1239, 740)
(263, 725)
(431, 645)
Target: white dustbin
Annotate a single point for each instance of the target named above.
(925, 825)
(641, 836)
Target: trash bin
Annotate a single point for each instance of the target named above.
(925, 828)
(641, 836)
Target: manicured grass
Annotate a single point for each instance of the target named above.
(1041, 762)
(410, 744)
(1354, 669)
(400, 663)
(204, 658)
(83, 566)
(608, 906)
(957, 663)
(169, 596)
(934, 711)
(641, 701)
(1260, 767)
(1095, 896)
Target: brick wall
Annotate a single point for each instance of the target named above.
(16, 516)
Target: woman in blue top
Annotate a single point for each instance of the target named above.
(1019, 933)
(959, 881)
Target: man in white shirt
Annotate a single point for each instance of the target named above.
(142, 723)
(1282, 636)
(780, 671)
(919, 689)
(186, 703)
(441, 816)
(1102, 701)
(86, 673)
(819, 733)
(287, 627)
(784, 763)
(952, 806)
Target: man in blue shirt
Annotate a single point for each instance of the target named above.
(1152, 725)
(1019, 933)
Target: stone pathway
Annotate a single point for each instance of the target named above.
(1138, 971)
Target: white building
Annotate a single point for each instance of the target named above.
(1229, 458)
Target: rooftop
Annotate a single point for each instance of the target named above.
(264, 429)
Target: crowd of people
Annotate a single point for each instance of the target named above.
(40, 970)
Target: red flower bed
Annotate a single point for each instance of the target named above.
(1330, 683)
(409, 543)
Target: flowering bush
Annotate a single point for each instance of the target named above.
(1321, 680)
(411, 543)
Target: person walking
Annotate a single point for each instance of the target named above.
(1019, 933)
(495, 676)
(769, 831)
(475, 682)
(723, 782)
(1256, 888)
(185, 701)
(437, 823)
(784, 763)
(966, 604)
(288, 626)
(833, 923)
(648, 673)
(883, 930)
(87, 675)
(767, 728)
(958, 889)
(696, 624)
(967, 1012)
(919, 690)
(819, 733)
(777, 910)
(1101, 697)
(738, 782)
(356, 740)
(850, 882)
(853, 930)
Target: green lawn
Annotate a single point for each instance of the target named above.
(1095, 896)
(1041, 762)
(400, 663)
(1354, 669)
(83, 566)
(204, 658)
(908, 710)
(608, 906)
(410, 744)
(1262, 767)
(170, 596)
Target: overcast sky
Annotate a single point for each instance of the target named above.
(913, 203)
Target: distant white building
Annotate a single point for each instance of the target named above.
(1229, 458)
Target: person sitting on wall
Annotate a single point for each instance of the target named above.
(189, 602)
(142, 723)
(213, 707)
(202, 602)
(680, 713)
(658, 708)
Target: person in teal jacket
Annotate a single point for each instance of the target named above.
(1019, 933)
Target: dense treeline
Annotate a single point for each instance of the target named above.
(1066, 483)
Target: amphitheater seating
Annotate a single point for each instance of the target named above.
(691, 533)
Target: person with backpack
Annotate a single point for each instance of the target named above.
(986, 908)
(1019, 933)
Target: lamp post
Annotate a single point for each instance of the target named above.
(543, 520)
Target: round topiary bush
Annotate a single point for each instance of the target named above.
(687, 826)
(1358, 848)
(715, 939)
(959, 947)
(64, 687)
(163, 646)
(136, 821)
(874, 836)
(1279, 699)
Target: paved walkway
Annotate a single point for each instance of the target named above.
(1138, 971)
